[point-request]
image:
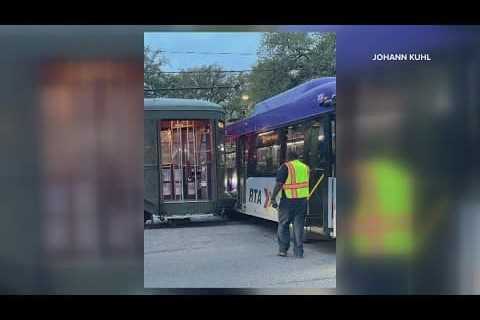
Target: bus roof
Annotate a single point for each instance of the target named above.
(300, 102)
(174, 104)
(290, 95)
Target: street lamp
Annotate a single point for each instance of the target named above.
(294, 73)
(245, 108)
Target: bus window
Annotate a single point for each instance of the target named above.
(250, 155)
(268, 153)
(295, 139)
(319, 138)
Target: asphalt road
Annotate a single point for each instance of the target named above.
(232, 254)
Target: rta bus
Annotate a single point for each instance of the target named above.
(183, 159)
(300, 119)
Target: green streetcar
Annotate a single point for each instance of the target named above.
(183, 159)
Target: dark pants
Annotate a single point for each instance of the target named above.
(291, 211)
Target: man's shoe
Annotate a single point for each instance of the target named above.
(282, 254)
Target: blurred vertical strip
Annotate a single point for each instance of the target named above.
(408, 160)
(91, 156)
(20, 256)
(468, 225)
(71, 163)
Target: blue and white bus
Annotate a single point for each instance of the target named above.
(300, 119)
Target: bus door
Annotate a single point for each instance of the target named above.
(317, 157)
(332, 195)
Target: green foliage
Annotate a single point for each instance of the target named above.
(289, 59)
(153, 62)
(202, 77)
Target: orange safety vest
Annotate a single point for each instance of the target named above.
(297, 184)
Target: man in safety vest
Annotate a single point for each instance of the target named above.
(293, 180)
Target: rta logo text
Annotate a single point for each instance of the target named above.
(255, 196)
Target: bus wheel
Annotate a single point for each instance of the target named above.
(233, 215)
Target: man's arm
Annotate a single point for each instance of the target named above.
(276, 190)
(281, 178)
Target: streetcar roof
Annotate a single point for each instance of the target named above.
(300, 102)
(176, 104)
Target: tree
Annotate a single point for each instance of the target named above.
(200, 83)
(287, 59)
(208, 82)
(153, 77)
(234, 105)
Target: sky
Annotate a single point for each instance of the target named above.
(242, 45)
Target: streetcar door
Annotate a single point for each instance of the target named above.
(186, 160)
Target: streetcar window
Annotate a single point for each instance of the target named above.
(165, 142)
(295, 139)
(267, 153)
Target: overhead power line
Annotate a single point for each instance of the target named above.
(214, 71)
(191, 88)
(209, 53)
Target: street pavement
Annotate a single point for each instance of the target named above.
(232, 254)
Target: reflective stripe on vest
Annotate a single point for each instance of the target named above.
(297, 183)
